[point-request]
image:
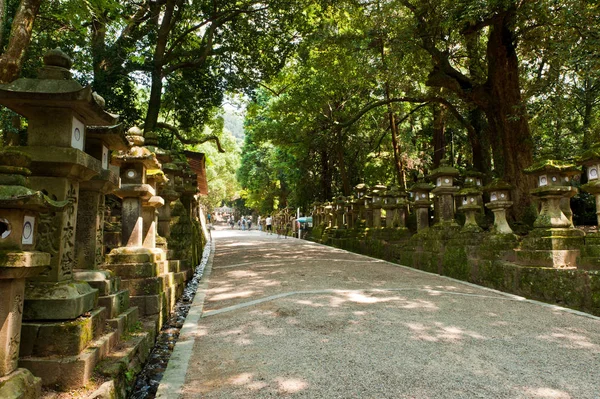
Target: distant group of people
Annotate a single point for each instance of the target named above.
(243, 223)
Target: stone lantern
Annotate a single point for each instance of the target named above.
(499, 192)
(328, 210)
(553, 242)
(471, 203)
(169, 194)
(361, 190)
(591, 160)
(443, 178)
(389, 204)
(551, 179)
(421, 202)
(377, 192)
(367, 201)
(340, 209)
(315, 214)
(19, 222)
(348, 205)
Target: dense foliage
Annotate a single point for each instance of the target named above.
(386, 89)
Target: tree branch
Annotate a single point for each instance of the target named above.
(183, 140)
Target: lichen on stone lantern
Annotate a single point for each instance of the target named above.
(591, 160)
(471, 203)
(552, 177)
(421, 201)
(443, 178)
(360, 190)
(499, 192)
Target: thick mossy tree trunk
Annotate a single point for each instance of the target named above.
(506, 113)
(11, 61)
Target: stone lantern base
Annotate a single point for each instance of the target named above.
(551, 247)
(590, 253)
(146, 273)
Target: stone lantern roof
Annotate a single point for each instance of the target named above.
(422, 185)
(497, 184)
(592, 155)
(551, 165)
(55, 88)
(137, 152)
(14, 192)
(443, 170)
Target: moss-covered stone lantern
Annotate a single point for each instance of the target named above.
(19, 220)
(471, 201)
(340, 209)
(377, 192)
(551, 179)
(499, 192)
(328, 210)
(591, 160)
(421, 202)
(368, 209)
(553, 242)
(360, 191)
(443, 178)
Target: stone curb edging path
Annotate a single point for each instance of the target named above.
(174, 377)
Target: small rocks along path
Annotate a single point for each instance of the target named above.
(279, 317)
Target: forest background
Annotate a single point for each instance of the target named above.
(337, 92)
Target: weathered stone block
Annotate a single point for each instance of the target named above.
(52, 301)
(68, 338)
(115, 304)
(548, 258)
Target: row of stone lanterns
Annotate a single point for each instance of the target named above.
(52, 206)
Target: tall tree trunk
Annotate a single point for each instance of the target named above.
(2, 21)
(439, 134)
(346, 188)
(158, 60)
(392, 120)
(325, 177)
(506, 112)
(480, 142)
(589, 137)
(11, 61)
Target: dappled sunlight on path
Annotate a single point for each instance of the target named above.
(288, 318)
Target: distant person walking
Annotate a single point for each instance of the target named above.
(231, 223)
(258, 223)
(243, 224)
(249, 223)
(269, 223)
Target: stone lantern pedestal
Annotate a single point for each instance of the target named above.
(19, 219)
(443, 178)
(590, 159)
(553, 242)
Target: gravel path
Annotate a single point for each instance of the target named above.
(290, 318)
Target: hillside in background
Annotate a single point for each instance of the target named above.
(234, 122)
